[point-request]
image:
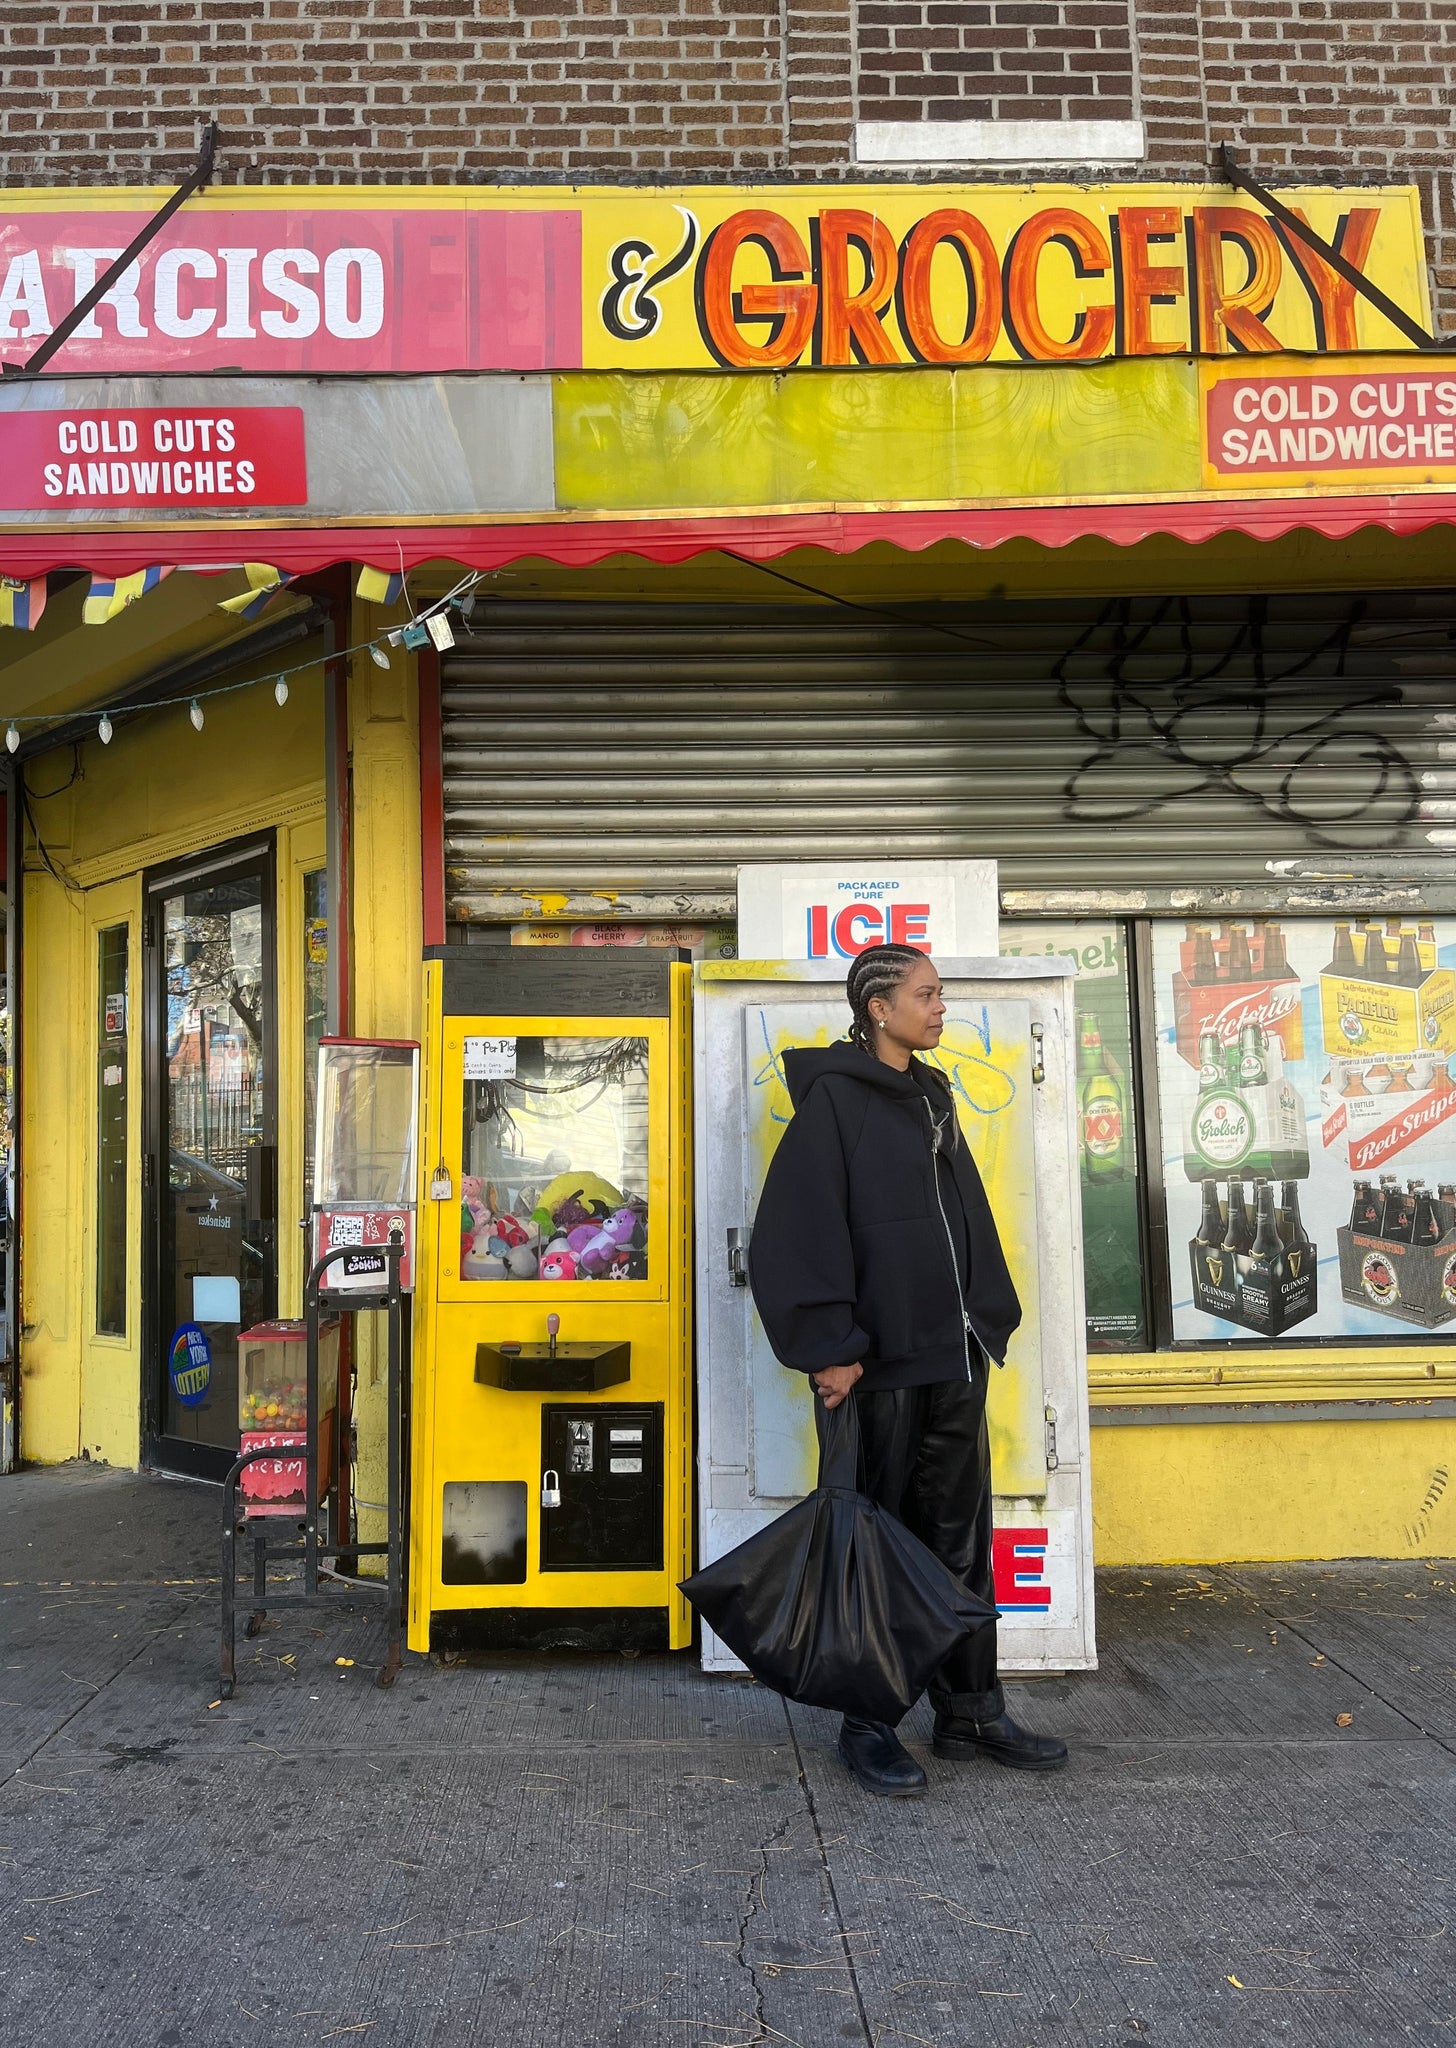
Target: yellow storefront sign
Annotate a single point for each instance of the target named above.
(366, 280)
(950, 275)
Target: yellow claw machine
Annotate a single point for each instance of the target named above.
(552, 1415)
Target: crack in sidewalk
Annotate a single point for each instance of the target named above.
(752, 1906)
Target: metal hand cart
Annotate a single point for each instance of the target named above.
(324, 1521)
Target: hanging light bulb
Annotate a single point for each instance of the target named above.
(12, 737)
(378, 655)
(194, 712)
(280, 691)
(103, 730)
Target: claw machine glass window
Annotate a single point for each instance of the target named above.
(554, 1182)
(364, 1157)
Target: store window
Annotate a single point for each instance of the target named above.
(1308, 1126)
(112, 1030)
(1106, 1123)
(555, 1174)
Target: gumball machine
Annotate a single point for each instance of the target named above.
(273, 1412)
(364, 1159)
(552, 1419)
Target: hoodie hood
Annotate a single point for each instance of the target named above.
(806, 1064)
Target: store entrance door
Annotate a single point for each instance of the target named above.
(210, 1168)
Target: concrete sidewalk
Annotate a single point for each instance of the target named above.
(1253, 1843)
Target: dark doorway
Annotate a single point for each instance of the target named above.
(210, 1167)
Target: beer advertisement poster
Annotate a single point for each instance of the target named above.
(1116, 1319)
(1308, 1126)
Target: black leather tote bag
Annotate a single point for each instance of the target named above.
(836, 1603)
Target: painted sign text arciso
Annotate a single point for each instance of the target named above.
(355, 281)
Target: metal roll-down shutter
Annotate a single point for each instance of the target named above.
(605, 759)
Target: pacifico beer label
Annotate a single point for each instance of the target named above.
(1224, 1129)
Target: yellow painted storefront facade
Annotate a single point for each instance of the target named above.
(830, 352)
(1166, 1488)
(161, 792)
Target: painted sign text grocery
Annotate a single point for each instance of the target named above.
(347, 282)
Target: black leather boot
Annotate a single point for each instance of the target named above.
(880, 1761)
(998, 1737)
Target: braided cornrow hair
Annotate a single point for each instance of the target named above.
(878, 971)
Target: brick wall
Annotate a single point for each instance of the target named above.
(995, 60)
(1329, 91)
(392, 90)
(380, 91)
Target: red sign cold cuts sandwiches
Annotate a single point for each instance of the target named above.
(114, 459)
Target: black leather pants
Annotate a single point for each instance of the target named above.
(928, 1461)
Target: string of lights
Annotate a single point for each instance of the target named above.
(427, 627)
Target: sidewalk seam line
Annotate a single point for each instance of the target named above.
(1426, 1734)
(864, 2018)
(12, 1777)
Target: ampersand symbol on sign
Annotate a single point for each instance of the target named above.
(629, 311)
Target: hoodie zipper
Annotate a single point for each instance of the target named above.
(950, 1246)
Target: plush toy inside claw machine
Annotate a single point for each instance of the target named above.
(552, 1395)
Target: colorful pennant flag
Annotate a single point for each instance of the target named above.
(264, 584)
(22, 603)
(378, 586)
(112, 594)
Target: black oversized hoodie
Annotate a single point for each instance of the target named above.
(851, 1257)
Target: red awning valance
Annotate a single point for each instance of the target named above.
(665, 538)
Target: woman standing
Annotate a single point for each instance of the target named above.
(877, 1270)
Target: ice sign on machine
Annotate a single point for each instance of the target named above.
(947, 908)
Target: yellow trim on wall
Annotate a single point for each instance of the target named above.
(110, 1365)
(1171, 1378)
(302, 849)
(386, 943)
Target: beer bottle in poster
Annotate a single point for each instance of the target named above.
(1295, 1234)
(1425, 1219)
(1276, 959)
(1392, 948)
(1267, 1244)
(1446, 1195)
(1205, 966)
(1240, 963)
(1210, 1223)
(1221, 1132)
(1253, 1065)
(1426, 944)
(1104, 1126)
(1367, 1209)
(1344, 960)
(1374, 962)
(1238, 1238)
(1388, 1197)
(1409, 961)
(1400, 1216)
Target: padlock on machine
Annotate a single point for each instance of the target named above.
(550, 1488)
